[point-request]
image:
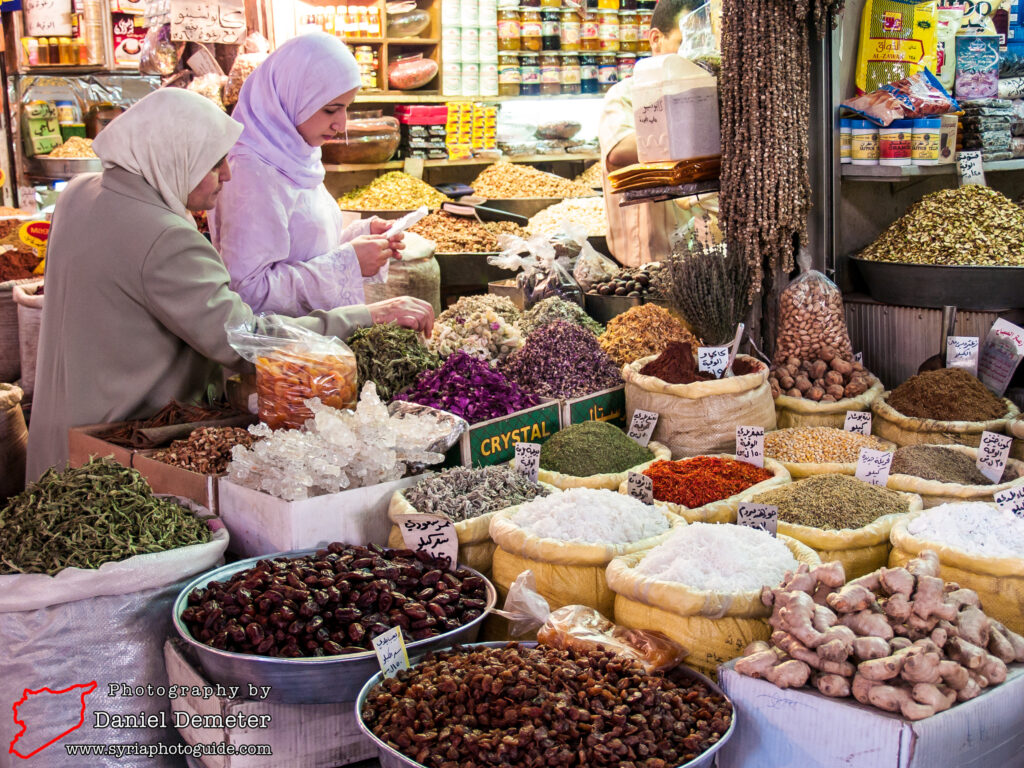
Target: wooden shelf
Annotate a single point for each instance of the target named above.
(413, 41)
(893, 173)
(363, 40)
(395, 164)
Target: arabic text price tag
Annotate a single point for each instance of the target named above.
(433, 534)
(858, 421)
(713, 360)
(992, 454)
(391, 653)
(873, 466)
(962, 352)
(528, 460)
(1011, 500)
(642, 426)
(764, 517)
(971, 169)
(1000, 355)
(750, 445)
(858, 357)
(641, 487)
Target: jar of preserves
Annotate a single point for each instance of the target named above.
(550, 73)
(571, 74)
(509, 76)
(551, 29)
(591, 5)
(588, 73)
(589, 40)
(629, 32)
(508, 29)
(529, 67)
(551, 4)
(643, 28)
(608, 31)
(570, 30)
(529, 29)
(529, 4)
(608, 5)
(607, 71)
(626, 62)
(646, 5)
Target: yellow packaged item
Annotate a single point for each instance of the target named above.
(897, 38)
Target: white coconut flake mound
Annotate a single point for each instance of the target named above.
(719, 558)
(590, 516)
(974, 528)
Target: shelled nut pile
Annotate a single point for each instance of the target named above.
(827, 377)
(503, 181)
(207, 450)
(456, 234)
(818, 445)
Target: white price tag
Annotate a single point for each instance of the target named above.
(764, 517)
(750, 445)
(1000, 355)
(641, 487)
(970, 166)
(873, 466)
(858, 421)
(962, 352)
(433, 534)
(1011, 500)
(642, 426)
(858, 357)
(406, 221)
(528, 460)
(391, 653)
(992, 454)
(713, 360)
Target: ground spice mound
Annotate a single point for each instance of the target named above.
(592, 448)
(642, 331)
(676, 365)
(932, 462)
(833, 502)
(18, 265)
(948, 394)
(702, 479)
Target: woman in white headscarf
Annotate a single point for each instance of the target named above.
(276, 226)
(137, 301)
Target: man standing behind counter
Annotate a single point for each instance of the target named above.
(638, 234)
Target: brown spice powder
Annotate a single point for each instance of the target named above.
(948, 394)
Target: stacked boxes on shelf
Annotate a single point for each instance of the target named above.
(423, 131)
(471, 128)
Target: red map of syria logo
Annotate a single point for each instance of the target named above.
(84, 690)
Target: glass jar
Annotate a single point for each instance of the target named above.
(551, 29)
(627, 5)
(626, 62)
(607, 71)
(510, 78)
(570, 30)
(608, 31)
(571, 74)
(551, 4)
(591, 5)
(646, 5)
(588, 73)
(369, 137)
(629, 32)
(643, 27)
(589, 40)
(529, 66)
(529, 4)
(608, 5)
(550, 73)
(508, 29)
(529, 28)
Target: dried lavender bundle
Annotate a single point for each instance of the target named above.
(711, 287)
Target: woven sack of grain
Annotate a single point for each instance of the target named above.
(803, 412)
(10, 348)
(567, 573)
(13, 441)
(723, 510)
(934, 492)
(700, 418)
(713, 626)
(999, 581)
(416, 274)
(806, 469)
(1015, 429)
(906, 430)
(609, 481)
(30, 315)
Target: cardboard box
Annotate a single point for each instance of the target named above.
(606, 405)
(494, 441)
(801, 728)
(299, 735)
(167, 478)
(261, 524)
(83, 445)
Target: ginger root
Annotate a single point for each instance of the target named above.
(789, 674)
(867, 648)
(832, 685)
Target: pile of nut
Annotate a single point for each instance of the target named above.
(591, 177)
(504, 180)
(207, 450)
(636, 282)
(75, 147)
(515, 706)
(457, 234)
(333, 602)
(819, 445)
(586, 212)
(811, 317)
(394, 191)
(825, 378)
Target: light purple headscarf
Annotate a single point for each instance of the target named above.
(295, 81)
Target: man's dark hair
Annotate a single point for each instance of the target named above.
(667, 12)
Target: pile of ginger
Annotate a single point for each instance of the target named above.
(900, 639)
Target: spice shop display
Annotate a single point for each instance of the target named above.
(899, 639)
(469, 305)
(948, 474)
(482, 333)
(562, 360)
(544, 731)
(678, 365)
(701, 587)
(642, 331)
(986, 126)
(819, 450)
(457, 234)
(391, 357)
(394, 191)
(207, 450)
(711, 288)
(914, 97)
(591, 454)
(820, 392)
(703, 480)
(554, 309)
(504, 181)
(74, 147)
(588, 213)
(973, 528)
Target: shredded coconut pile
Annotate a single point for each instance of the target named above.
(719, 558)
(590, 516)
(974, 528)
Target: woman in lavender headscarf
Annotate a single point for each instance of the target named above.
(276, 226)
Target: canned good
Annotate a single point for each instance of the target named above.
(470, 44)
(488, 79)
(488, 50)
(529, 67)
(469, 15)
(488, 14)
(451, 80)
(588, 73)
(470, 79)
(451, 12)
(626, 62)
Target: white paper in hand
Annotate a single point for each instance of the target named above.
(640, 487)
(642, 426)
(406, 221)
(527, 460)
(873, 466)
(433, 534)
(750, 445)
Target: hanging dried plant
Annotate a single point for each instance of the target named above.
(711, 287)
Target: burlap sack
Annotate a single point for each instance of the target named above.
(13, 441)
(609, 481)
(702, 417)
(567, 573)
(723, 510)
(802, 412)
(416, 274)
(934, 492)
(30, 315)
(714, 626)
(10, 350)
(807, 469)
(999, 581)
(905, 430)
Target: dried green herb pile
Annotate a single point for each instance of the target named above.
(391, 357)
(462, 493)
(833, 502)
(933, 462)
(592, 448)
(98, 513)
(552, 309)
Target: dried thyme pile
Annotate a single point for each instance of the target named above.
(391, 357)
(462, 493)
(832, 502)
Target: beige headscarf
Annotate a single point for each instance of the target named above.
(172, 138)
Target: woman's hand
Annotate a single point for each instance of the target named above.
(406, 311)
(373, 252)
(379, 226)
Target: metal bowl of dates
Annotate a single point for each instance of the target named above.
(390, 757)
(305, 680)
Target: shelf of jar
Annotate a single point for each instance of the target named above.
(415, 97)
(395, 164)
(890, 173)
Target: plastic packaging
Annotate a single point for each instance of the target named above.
(563, 129)
(949, 19)
(906, 31)
(369, 137)
(408, 24)
(158, 55)
(293, 365)
(592, 267)
(245, 64)
(542, 273)
(977, 66)
(811, 317)
(209, 86)
(698, 34)
(918, 95)
(412, 72)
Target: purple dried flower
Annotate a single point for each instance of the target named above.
(562, 359)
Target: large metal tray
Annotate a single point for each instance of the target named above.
(524, 206)
(62, 167)
(924, 285)
(392, 758)
(604, 308)
(309, 680)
